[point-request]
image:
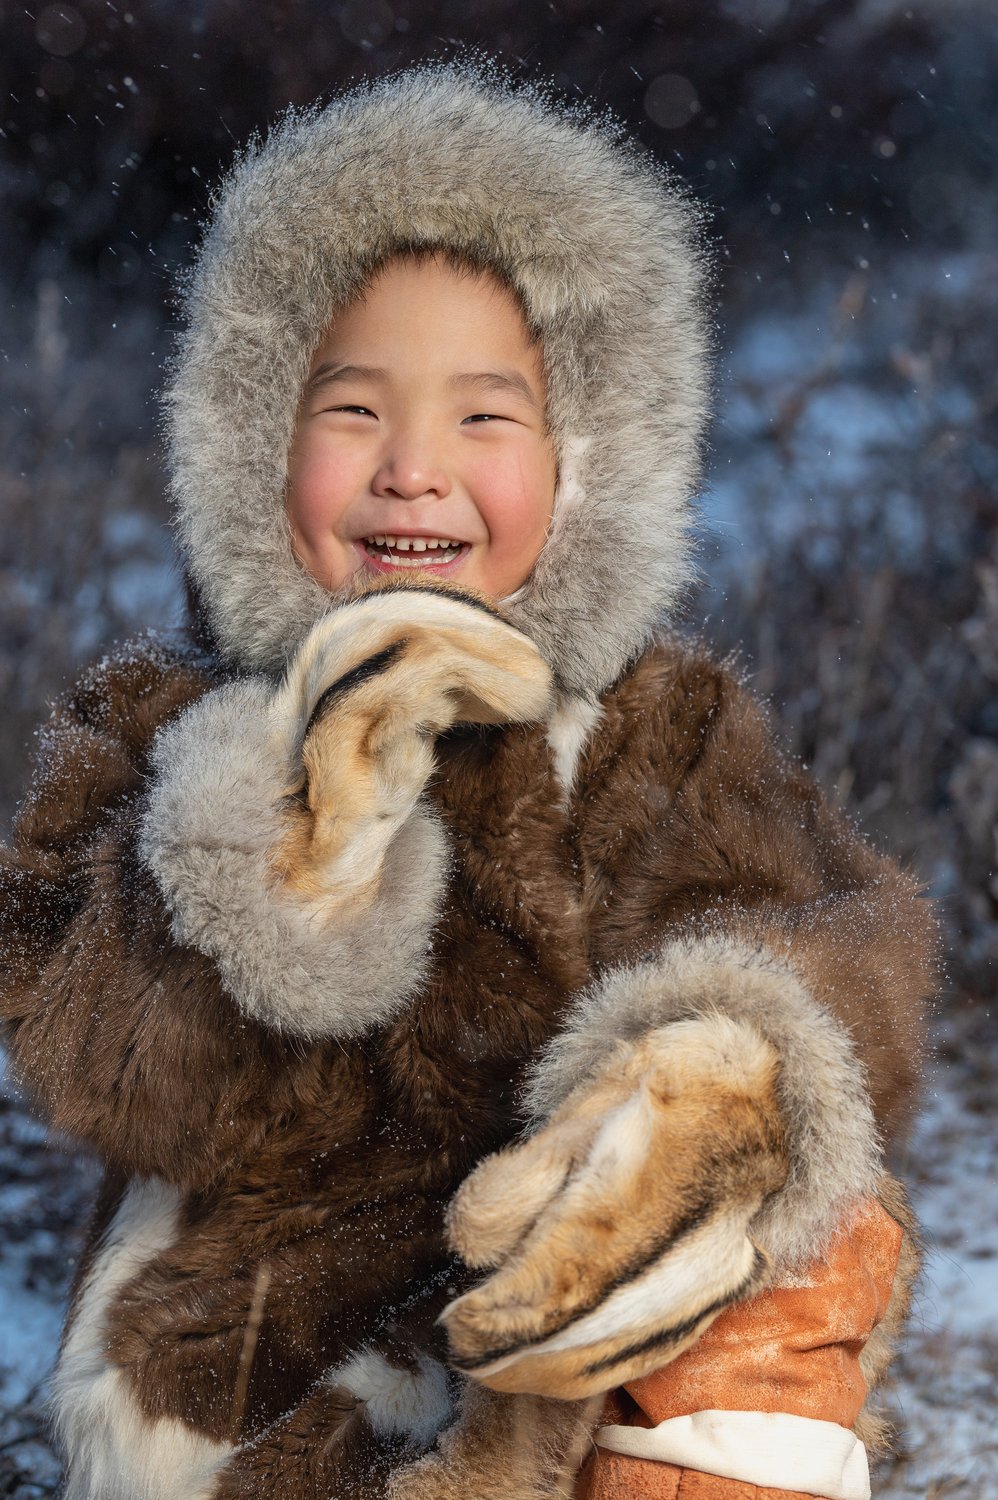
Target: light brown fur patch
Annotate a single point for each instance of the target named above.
(503, 1448)
(872, 1427)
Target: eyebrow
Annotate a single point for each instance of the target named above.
(330, 371)
(501, 381)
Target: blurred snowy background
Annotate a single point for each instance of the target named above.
(848, 151)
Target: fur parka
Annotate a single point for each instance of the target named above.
(600, 871)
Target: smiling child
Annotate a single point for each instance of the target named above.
(491, 1038)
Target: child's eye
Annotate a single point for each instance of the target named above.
(484, 416)
(363, 411)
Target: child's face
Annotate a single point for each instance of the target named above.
(423, 423)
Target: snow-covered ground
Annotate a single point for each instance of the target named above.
(45, 1192)
(946, 1392)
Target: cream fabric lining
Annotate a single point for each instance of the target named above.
(772, 1449)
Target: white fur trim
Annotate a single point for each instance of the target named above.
(113, 1451)
(834, 1148)
(569, 728)
(414, 1404)
(772, 1449)
(211, 822)
(607, 256)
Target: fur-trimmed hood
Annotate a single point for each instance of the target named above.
(606, 256)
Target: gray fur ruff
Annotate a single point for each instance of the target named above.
(835, 1150)
(607, 257)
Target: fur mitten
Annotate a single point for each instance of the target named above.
(621, 1229)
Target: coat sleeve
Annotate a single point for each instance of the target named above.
(735, 890)
(161, 1043)
(285, 824)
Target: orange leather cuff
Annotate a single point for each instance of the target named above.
(794, 1348)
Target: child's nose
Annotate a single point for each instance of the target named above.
(410, 472)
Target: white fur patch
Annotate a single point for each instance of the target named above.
(571, 491)
(568, 731)
(398, 1403)
(113, 1451)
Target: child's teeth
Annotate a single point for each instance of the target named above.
(445, 549)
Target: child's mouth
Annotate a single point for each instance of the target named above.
(412, 551)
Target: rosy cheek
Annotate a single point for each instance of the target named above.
(521, 505)
(315, 492)
(304, 502)
(312, 508)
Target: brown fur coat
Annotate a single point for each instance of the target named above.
(287, 1197)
